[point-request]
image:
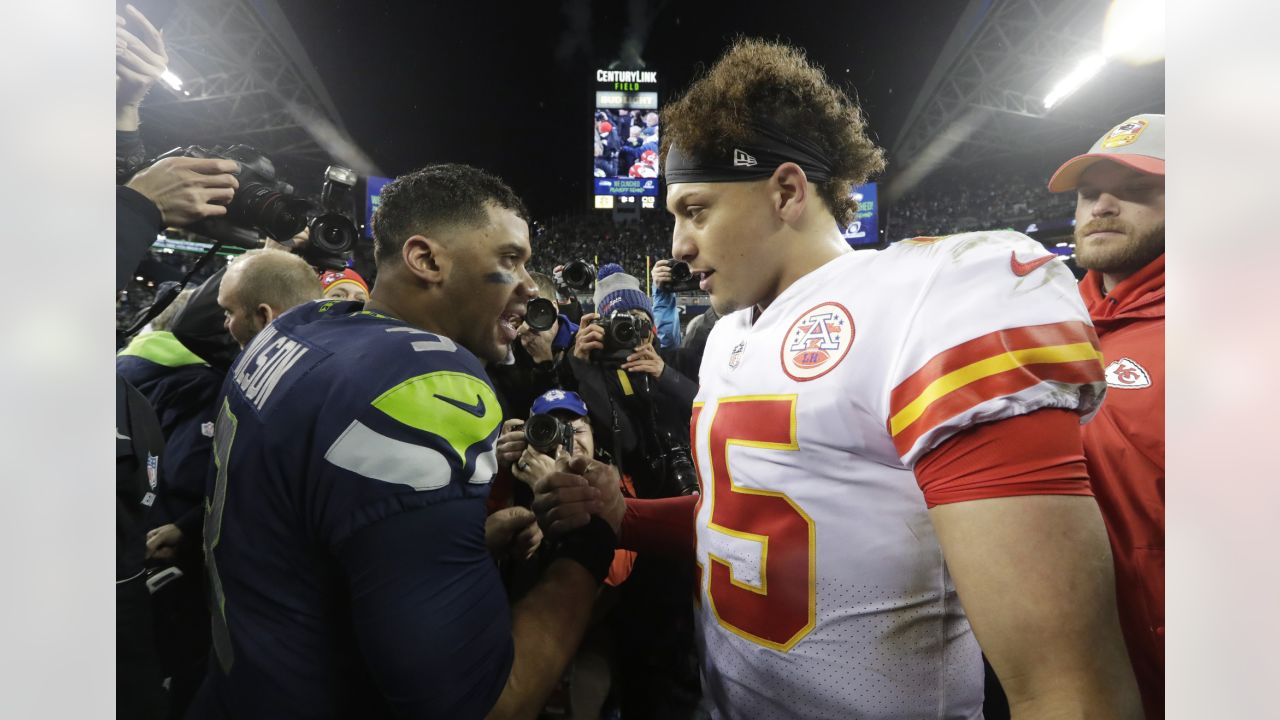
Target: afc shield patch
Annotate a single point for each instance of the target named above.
(1125, 374)
(817, 341)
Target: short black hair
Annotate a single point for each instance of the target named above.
(434, 197)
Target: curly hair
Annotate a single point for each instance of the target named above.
(434, 197)
(764, 81)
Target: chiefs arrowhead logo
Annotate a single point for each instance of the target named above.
(1127, 375)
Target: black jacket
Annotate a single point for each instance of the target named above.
(183, 390)
(638, 419)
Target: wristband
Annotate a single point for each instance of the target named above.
(591, 546)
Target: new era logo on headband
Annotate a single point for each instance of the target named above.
(741, 159)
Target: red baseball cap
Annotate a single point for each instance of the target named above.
(1137, 143)
(329, 278)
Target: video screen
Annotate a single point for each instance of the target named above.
(625, 134)
(865, 228)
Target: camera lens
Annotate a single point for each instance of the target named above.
(542, 432)
(578, 275)
(263, 207)
(680, 271)
(540, 314)
(623, 329)
(332, 234)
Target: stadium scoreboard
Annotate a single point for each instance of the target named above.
(625, 136)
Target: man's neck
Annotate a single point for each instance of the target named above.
(806, 254)
(385, 301)
(1110, 281)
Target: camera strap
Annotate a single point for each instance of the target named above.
(165, 298)
(615, 428)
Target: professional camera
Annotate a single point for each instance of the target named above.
(265, 204)
(545, 433)
(623, 333)
(682, 279)
(680, 471)
(578, 275)
(540, 314)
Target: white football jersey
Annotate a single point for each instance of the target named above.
(823, 591)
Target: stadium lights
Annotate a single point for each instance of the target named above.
(1085, 70)
(1132, 32)
(172, 80)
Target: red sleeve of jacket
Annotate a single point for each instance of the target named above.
(663, 526)
(1039, 453)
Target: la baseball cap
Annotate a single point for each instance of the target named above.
(1137, 143)
(559, 400)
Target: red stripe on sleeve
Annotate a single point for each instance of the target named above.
(1006, 383)
(1040, 453)
(981, 348)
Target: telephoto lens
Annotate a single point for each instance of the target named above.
(540, 314)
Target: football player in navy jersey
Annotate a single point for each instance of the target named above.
(354, 449)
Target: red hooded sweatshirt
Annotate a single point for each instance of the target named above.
(1124, 450)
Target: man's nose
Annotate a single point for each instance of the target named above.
(682, 246)
(1107, 205)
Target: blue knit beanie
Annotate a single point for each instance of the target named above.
(616, 290)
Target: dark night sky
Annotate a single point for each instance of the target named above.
(508, 87)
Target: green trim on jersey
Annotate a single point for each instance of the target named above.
(438, 403)
(161, 348)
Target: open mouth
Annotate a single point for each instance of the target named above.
(508, 322)
(703, 277)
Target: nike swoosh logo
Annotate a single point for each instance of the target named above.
(121, 437)
(477, 409)
(1021, 269)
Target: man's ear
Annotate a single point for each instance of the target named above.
(264, 314)
(790, 191)
(427, 258)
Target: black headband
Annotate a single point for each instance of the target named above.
(755, 159)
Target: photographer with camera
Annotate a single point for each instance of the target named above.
(641, 396)
(558, 427)
(640, 399)
(538, 361)
(666, 314)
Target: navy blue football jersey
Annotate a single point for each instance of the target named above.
(344, 528)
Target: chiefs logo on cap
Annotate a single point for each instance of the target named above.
(1127, 375)
(817, 341)
(1125, 133)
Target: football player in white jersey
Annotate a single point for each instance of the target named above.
(888, 442)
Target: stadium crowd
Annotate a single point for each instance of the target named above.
(473, 487)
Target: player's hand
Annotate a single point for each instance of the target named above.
(645, 360)
(140, 61)
(533, 465)
(662, 273)
(537, 344)
(188, 189)
(508, 530)
(579, 488)
(163, 542)
(511, 443)
(590, 337)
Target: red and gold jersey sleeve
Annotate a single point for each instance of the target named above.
(998, 330)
